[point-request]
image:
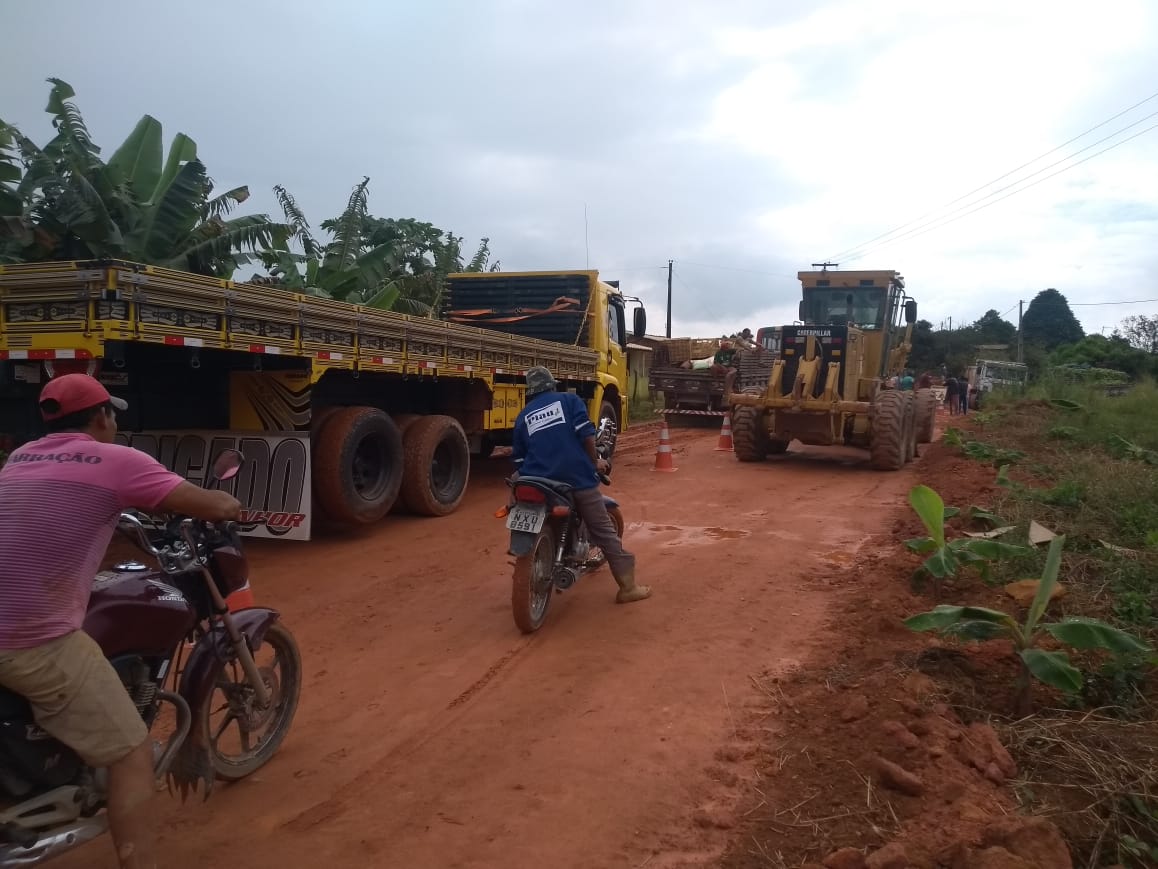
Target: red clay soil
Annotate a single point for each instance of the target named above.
(730, 720)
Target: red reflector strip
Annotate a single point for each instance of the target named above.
(178, 341)
(264, 348)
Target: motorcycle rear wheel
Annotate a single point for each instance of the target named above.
(532, 584)
(233, 696)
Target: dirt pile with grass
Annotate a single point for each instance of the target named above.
(902, 750)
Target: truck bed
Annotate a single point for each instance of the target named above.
(701, 392)
(70, 310)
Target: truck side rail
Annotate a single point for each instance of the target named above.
(70, 309)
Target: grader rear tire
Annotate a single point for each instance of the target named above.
(910, 427)
(926, 415)
(889, 441)
(777, 448)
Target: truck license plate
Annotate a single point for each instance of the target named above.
(529, 519)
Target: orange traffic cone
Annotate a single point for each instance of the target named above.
(241, 599)
(726, 435)
(663, 456)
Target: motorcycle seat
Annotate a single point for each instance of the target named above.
(13, 705)
(554, 485)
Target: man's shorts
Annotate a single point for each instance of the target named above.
(76, 696)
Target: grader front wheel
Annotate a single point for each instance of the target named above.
(891, 430)
(749, 435)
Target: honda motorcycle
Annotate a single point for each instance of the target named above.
(154, 626)
(549, 539)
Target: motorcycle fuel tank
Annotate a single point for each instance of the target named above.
(134, 610)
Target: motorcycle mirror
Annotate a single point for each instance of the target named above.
(226, 465)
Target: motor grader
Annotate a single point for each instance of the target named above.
(831, 384)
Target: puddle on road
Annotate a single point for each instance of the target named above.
(682, 535)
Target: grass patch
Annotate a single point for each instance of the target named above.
(644, 410)
(1085, 464)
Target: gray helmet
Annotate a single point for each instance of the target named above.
(539, 379)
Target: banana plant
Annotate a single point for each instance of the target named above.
(68, 203)
(945, 556)
(1051, 667)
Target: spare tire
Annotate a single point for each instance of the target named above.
(437, 465)
(357, 465)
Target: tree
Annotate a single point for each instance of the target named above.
(1049, 322)
(992, 329)
(63, 201)
(1140, 332)
(1098, 351)
(385, 263)
(924, 356)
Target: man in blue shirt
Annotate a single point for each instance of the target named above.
(554, 438)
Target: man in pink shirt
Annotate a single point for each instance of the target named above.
(60, 497)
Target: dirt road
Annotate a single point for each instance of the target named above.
(432, 734)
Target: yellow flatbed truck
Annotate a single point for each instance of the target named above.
(342, 411)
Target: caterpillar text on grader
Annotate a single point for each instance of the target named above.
(831, 383)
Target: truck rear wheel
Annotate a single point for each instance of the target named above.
(749, 436)
(404, 421)
(437, 465)
(926, 415)
(889, 442)
(357, 465)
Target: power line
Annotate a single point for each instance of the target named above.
(983, 205)
(853, 249)
(1098, 304)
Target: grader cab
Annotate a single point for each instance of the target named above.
(831, 384)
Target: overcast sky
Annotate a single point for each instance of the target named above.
(745, 139)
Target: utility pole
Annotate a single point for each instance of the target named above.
(1020, 306)
(669, 298)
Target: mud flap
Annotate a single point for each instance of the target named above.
(521, 543)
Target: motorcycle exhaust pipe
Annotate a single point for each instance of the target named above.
(54, 842)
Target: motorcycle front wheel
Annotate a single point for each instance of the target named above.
(533, 584)
(242, 736)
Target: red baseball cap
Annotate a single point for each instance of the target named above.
(72, 393)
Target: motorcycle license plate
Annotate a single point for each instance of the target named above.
(529, 519)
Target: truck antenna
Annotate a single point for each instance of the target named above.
(824, 266)
(586, 245)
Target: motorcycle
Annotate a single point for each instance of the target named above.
(153, 625)
(549, 539)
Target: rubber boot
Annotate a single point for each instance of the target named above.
(629, 592)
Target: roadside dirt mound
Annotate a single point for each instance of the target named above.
(878, 761)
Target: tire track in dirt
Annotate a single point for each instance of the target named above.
(336, 803)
